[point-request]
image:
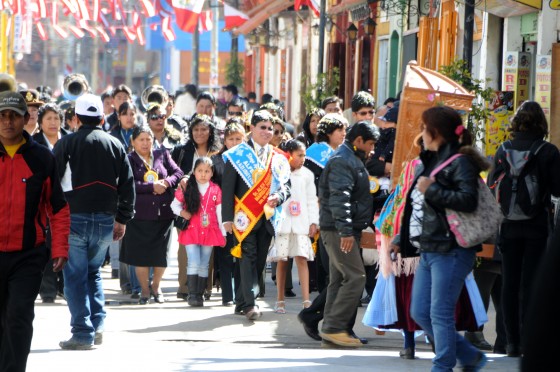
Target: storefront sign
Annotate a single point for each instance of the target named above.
(543, 77)
(516, 75)
(497, 124)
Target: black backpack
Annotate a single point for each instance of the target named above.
(518, 188)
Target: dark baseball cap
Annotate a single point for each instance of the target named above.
(13, 101)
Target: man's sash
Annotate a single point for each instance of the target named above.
(262, 181)
(319, 153)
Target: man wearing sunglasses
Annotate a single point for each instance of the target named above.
(256, 182)
(236, 108)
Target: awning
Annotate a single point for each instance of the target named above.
(261, 13)
(509, 8)
(344, 6)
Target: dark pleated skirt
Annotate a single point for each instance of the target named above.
(146, 243)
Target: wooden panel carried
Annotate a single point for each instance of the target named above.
(423, 88)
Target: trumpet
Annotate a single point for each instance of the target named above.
(74, 85)
(7, 83)
(155, 94)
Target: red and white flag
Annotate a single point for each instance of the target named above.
(233, 17)
(312, 4)
(187, 13)
(41, 31)
(205, 23)
(103, 34)
(148, 8)
(167, 30)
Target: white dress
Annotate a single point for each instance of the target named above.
(301, 210)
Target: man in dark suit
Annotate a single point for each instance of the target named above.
(255, 244)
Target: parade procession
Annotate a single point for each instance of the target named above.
(233, 185)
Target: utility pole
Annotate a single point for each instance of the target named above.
(322, 26)
(468, 37)
(195, 56)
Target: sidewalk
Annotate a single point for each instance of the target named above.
(174, 337)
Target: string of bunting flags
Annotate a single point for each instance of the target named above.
(102, 18)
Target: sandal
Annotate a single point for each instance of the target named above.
(306, 304)
(279, 307)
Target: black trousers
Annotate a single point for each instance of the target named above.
(20, 279)
(224, 266)
(254, 249)
(488, 277)
(314, 313)
(521, 257)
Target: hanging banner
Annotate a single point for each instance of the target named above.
(516, 75)
(543, 77)
(497, 124)
(23, 33)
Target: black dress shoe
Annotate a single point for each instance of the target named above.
(364, 341)
(477, 340)
(310, 330)
(227, 303)
(407, 353)
(289, 293)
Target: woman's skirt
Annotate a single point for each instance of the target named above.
(146, 243)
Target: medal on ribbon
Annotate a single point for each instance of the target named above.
(373, 184)
(150, 176)
(295, 208)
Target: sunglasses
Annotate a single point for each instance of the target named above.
(364, 113)
(264, 127)
(235, 113)
(156, 117)
(278, 132)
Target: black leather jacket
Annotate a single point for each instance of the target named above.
(345, 200)
(456, 188)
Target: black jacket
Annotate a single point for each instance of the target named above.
(183, 156)
(345, 200)
(40, 138)
(456, 188)
(548, 161)
(101, 175)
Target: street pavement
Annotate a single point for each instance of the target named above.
(175, 337)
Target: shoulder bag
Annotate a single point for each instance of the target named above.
(474, 228)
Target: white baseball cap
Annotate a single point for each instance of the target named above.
(89, 105)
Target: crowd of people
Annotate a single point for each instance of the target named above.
(108, 179)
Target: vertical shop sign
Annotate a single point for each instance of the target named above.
(501, 109)
(516, 75)
(543, 77)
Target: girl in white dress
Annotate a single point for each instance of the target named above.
(300, 224)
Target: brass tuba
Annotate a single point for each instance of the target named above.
(155, 94)
(7, 83)
(74, 85)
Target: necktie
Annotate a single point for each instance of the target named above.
(261, 153)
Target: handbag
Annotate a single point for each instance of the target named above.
(476, 227)
(181, 223)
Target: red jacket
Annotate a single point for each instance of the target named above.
(30, 193)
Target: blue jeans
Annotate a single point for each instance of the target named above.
(90, 236)
(438, 281)
(198, 259)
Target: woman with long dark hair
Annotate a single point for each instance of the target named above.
(443, 265)
(522, 240)
(309, 127)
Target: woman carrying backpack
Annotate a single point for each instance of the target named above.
(524, 176)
